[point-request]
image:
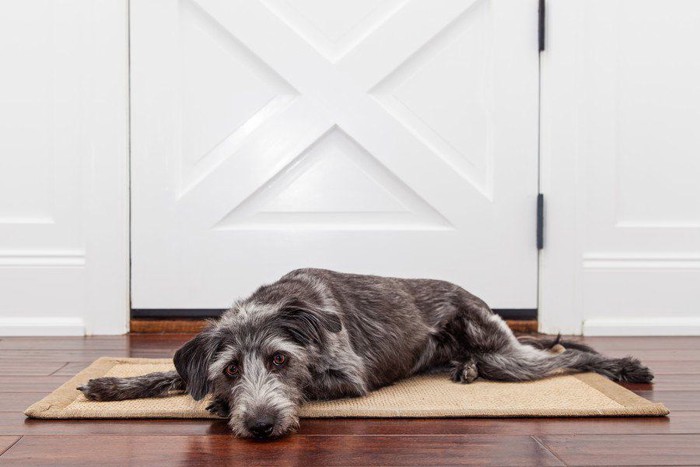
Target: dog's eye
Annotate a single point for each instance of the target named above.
(232, 370)
(279, 359)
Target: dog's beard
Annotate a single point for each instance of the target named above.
(284, 411)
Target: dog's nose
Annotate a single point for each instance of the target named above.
(262, 427)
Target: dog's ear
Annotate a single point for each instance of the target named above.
(192, 362)
(307, 323)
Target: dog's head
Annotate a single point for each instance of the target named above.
(256, 361)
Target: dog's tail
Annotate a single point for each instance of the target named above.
(525, 362)
(138, 387)
(555, 344)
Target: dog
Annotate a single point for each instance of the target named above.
(319, 334)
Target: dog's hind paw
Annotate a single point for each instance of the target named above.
(632, 371)
(464, 372)
(100, 389)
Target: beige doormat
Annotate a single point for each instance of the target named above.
(423, 396)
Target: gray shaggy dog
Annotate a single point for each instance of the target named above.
(319, 334)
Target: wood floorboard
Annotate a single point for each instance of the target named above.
(30, 368)
(35, 384)
(154, 325)
(674, 400)
(17, 401)
(6, 442)
(625, 449)
(65, 343)
(21, 368)
(132, 341)
(680, 422)
(150, 326)
(642, 343)
(675, 367)
(651, 356)
(296, 450)
(71, 369)
(81, 355)
(670, 383)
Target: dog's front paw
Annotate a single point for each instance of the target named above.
(101, 389)
(220, 408)
(464, 372)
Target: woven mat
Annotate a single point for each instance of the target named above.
(422, 396)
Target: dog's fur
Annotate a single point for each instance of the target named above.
(342, 335)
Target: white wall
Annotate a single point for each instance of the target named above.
(620, 167)
(63, 167)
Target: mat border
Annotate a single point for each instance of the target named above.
(52, 406)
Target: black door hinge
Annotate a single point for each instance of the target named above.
(540, 221)
(540, 25)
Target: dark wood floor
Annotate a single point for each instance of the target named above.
(32, 367)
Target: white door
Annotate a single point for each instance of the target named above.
(394, 137)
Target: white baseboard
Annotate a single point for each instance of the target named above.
(42, 326)
(653, 326)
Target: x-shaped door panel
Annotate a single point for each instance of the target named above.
(376, 103)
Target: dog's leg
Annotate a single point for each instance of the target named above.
(335, 384)
(138, 387)
(526, 364)
(464, 372)
(220, 408)
(477, 331)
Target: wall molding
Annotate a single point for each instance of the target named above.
(652, 326)
(624, 224)
(42, 258)
(641, 261)
(27, 220)
(42, 326)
